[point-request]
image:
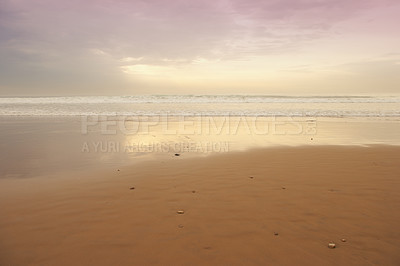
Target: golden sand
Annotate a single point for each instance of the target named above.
(274, 206)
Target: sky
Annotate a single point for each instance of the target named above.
(129, 47)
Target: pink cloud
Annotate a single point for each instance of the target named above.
(62, 35)
(176, 29)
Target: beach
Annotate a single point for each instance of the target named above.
(272, 205)
(227, 132)
(190, 180)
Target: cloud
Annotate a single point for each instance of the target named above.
(158, 29)
(79, 42)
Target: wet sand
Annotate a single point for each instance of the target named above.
(271, 206)
(41, 146)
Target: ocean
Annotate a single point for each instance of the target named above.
(44, 135)
(204, 105)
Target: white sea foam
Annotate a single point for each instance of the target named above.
(199, 99)
(207, 105)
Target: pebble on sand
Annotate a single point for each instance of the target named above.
(343, 239)
(180, 226)
(180, 212)
(132, 188)
(251, 177)
(177, 154)
(276, 233)
(193, 191)
(331, 245)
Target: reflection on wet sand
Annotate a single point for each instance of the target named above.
(44, 146)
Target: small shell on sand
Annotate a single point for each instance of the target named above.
(331, 245)
(180, 212)
(343, 239)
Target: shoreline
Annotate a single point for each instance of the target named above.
(36, 147)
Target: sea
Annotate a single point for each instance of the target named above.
(46, 136)
(204, 105)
